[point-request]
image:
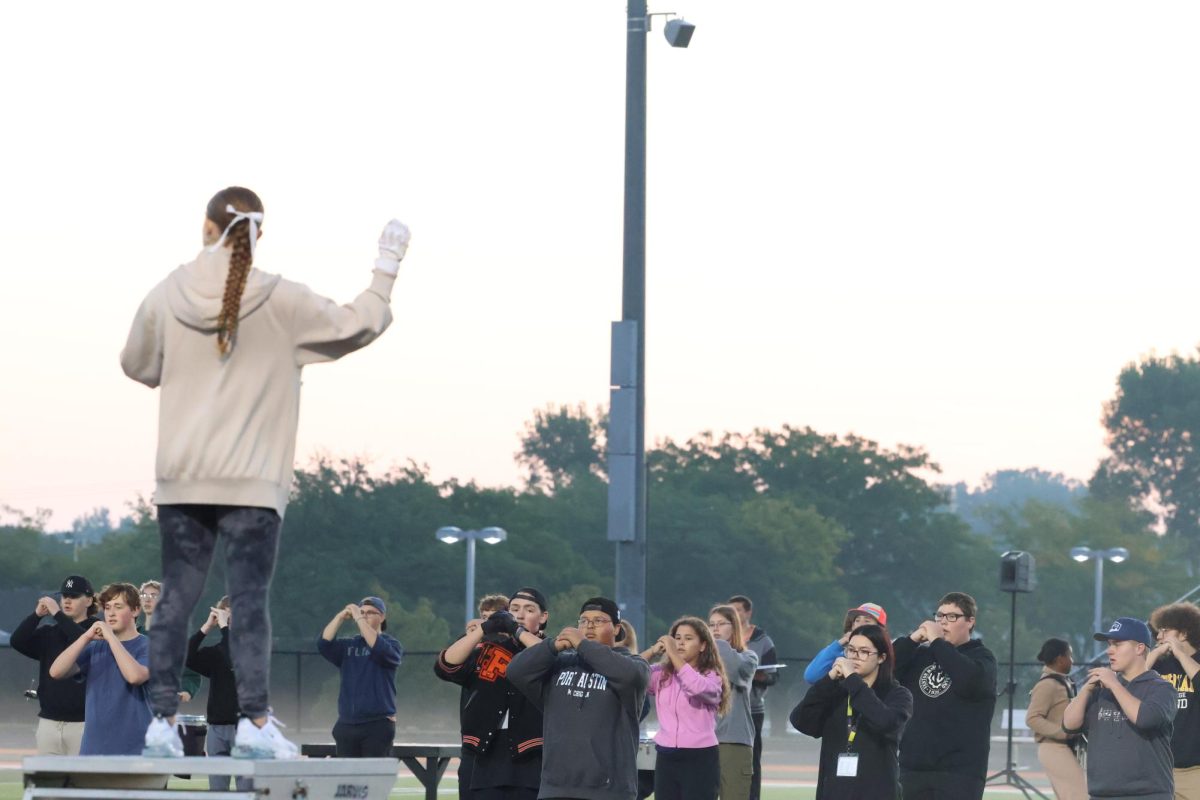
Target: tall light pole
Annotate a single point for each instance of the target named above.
(627, 407)
(452, 535)
(1085, 554)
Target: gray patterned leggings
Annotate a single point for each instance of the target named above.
(189, 537)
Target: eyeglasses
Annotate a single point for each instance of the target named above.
(371, 612)
(721, 623)
(854, 652)
(950, 617)
(148, 595)
(594, 622)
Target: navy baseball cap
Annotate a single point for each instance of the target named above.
(380, 606)
(1126, 629)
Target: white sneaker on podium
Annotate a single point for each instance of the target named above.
(252, 741)
(162, 740)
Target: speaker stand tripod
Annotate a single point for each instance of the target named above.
(1009, 774)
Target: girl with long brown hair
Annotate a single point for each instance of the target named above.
(225, 343)
(690, 690)
(735, 729)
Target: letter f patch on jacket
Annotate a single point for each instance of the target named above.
(492, 662)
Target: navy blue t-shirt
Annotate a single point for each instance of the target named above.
(368, 690)
(116, 714)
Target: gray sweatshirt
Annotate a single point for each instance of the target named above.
(764, 646)
(590, 700)
(1127, 758)
(737, 727)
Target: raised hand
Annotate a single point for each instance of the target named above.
(569, 638)
(46, 606)
(842, 668)
(1103, 676)
(393, 244)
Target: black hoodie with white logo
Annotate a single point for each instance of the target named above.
(954, 695)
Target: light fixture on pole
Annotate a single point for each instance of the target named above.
(1086, 554)
(627, 403)
(453, 535)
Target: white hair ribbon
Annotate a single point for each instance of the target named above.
(255, 217)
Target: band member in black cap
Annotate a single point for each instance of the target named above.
(60, 718)
(590, 689)
(501, 729)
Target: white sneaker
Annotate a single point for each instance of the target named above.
(162, 740)
(252, 741)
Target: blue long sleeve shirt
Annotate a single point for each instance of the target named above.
(823, 661)
(368, 690)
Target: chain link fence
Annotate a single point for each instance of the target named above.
(304, 689)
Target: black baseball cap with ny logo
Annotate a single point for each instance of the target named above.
(76, 586)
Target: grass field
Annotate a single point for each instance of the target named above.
(10, 789)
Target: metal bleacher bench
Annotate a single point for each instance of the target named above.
(436, 756)
(140, 778)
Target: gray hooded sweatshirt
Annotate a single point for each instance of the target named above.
(737, 726)
(1127, 758)
(590, 700)
(227, 424)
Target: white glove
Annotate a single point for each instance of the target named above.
(393, 244)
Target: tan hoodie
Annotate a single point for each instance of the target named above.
(1047, 701)
(227, 425)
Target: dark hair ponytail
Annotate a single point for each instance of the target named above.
(1052, 649)
(240, 261)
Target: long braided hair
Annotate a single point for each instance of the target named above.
(240, 261)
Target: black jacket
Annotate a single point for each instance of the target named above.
(879, 715)
(954, 695)
(61, 701)
(214, 663)
(487, 695)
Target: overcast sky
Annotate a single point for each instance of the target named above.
(944, 224)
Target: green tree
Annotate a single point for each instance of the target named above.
(561, 445)
(903, 547)
(1153, 425)
(1062, 603)
(1010, 489)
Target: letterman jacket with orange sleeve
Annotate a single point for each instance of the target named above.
(488, 697)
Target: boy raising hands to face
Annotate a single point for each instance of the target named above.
(114, 658)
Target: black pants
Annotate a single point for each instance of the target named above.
(365, 740)
(756, 780)
(688, 773)
(466, 765)
(504, 793)
(940, 786)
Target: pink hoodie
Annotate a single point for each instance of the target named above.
(687, 707)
